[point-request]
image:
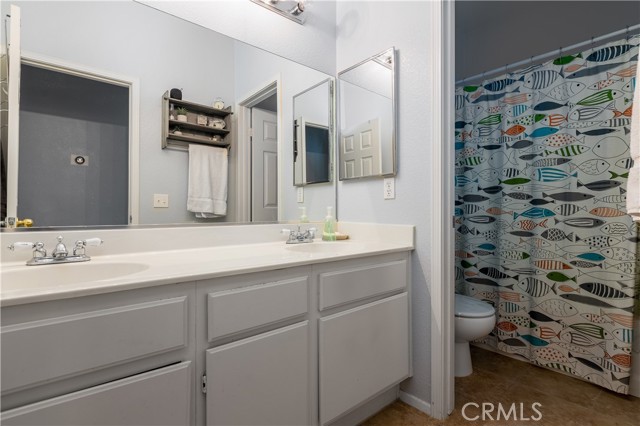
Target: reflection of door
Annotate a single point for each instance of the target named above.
(75, 131)
(361, 151)
(10, 134)
(264, 175)
(66, 150)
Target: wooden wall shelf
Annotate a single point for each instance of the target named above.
(191, 131)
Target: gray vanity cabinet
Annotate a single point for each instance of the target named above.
(364, 332)
(124, 358)
(308, 345)
(305, 346)
(258, 349)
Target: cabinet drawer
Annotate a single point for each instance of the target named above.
(362, 352)
(246, 308)
(65, 346)
(350, 285)
(158, 397)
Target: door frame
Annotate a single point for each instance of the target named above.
(12, 146)
(254, 97)
(133, 85)
(441, 228)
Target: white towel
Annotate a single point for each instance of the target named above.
(207, 192)
(633, 183)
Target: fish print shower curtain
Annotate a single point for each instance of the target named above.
(542, 157)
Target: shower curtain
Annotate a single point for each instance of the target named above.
(542, 159)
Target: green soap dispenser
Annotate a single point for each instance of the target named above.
(329, 232)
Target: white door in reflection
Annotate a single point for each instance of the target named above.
(264, 175)
(360, 155)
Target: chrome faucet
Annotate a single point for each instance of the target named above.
(59, 255)
(60, 252)
(298, 236)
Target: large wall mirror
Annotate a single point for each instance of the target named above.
(93, 76)
(367, 118)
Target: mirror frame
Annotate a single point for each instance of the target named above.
(392, 52)
(332, 127)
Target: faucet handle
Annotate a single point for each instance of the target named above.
(21, 245)
(93, 242)
(81, 244)
(38, 248)
(286, 231)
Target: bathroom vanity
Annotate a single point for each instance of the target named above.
(251, 333)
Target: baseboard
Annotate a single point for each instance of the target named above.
(368, 408)
(415, 402)
(634, 385)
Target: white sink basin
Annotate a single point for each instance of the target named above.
(67, 273)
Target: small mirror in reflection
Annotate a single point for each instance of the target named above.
(367, 141)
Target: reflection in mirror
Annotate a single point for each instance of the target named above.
(366, 99)
(149, 53)
(74, 150)
(312, 138)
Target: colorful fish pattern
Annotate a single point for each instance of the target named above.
(542, 160)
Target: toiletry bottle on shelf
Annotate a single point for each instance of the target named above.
(303, 215)
(329, 232)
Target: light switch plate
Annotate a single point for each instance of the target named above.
(300, 194)
(389, 188)
(160, 201)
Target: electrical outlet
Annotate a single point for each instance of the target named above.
(300, 194)
(389, 188)
(160, 201)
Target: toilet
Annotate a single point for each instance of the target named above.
(474, 319)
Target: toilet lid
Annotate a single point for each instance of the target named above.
(468, 307)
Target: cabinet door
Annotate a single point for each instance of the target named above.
(158, 397)
(363, 351)
(262, 380)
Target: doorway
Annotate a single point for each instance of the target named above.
(258, 155)
(264, 163)
(74, 150)
(77, 157)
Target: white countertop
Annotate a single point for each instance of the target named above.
(108, 272)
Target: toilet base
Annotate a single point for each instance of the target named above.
(462, 366)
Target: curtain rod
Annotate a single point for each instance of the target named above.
(555, 53)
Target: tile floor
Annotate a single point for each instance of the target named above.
(499, 379)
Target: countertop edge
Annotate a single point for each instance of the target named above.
(52, 294)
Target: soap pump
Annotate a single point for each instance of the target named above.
(303, 215)
(329, 232)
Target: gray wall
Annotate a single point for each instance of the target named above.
(312, 44)
(365, 29)
(63, 115)
(490, 34)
